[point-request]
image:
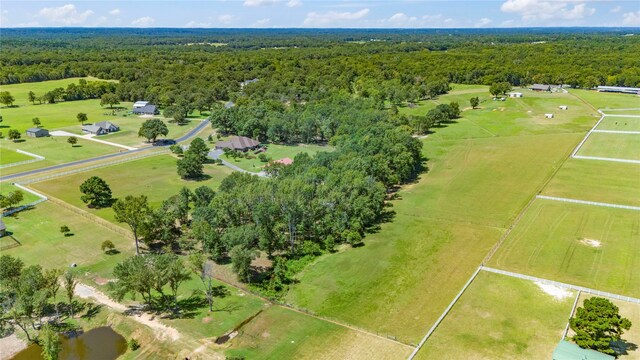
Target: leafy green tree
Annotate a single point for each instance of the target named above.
(436, 117)
(97, 192)
(70, 281)
(14, 135)
(36, 121)
(133, 211)
(64, 229)
(107, 246)
(82, 117)
(199, 148)
(109, 99)
(597, 324)
(32, 97)
(50, 342)
(11, 199)
(474, 101)
(190, 166)
(199, 265)
(241, 259)
(72, 140)
(152, 128)
(6, 98)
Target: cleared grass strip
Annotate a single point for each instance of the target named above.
(563, 285)
(585, 202)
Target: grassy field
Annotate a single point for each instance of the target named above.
(607, 100)
(38, 230)
(616, 123)
(627, 146)
(279, 333)
(10, 156)
(155, 177)
(6, 188)
(486, 324)
(401, 280)
(20, 91)
(585, 245)
(56, 150)
(275, 152)
(601, 181)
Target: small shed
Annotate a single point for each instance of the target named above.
(515, 94)
(563, 107)
(3, 228)
(540, 87)
(569, 351)
(37, 132)
(548, 116)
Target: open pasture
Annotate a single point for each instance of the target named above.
(155, 177)
(401, 280)
(607, 145)
(591, 246)
(620, 124)
(486, 324)
(56, 150)
(10, 156)
(6, 188)
(604, 101)
(279, 333)
(600, 181)
(21, 91)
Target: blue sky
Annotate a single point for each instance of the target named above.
(320, 13)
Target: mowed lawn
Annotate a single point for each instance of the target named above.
(408, 271)
(56, 150)
(11, 156)
(500, 317)
(279, 333)
(156, 177)
(619, 146)
(607, 100)
(38, 230)
(6, 188)
(601, 181)
(21, 91)
(585, 245)
(619, 123)
(275, 152)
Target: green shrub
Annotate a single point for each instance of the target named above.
(133, 344)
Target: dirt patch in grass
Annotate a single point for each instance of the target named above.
(557, 292)
(591, 243)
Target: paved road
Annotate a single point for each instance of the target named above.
(185, 137)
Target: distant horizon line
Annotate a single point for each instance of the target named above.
(320, 28)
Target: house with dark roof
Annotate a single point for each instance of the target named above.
(148, 109)
(109, 126)
(100, 128)
(37, 132)
(540, 87)
(238, 143)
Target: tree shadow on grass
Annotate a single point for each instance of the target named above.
(623, 347)
(92, 311)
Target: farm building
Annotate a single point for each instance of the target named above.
(548, 116)
(139, 104)
(563, 107)
(570, 351)
(146, 110)
(619, 89)
(540, 87)
(515, 94)
(37, 132)
(239, 143)
(100, 128)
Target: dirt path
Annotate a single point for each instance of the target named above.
(11, 345)
(161, 330)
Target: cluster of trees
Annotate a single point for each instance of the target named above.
(11, 199)
(500, 88)
(152, 128)
(441, 114)
(191, 164)
(6, 98)
(598, 324)
(28, 295)
(81, 91)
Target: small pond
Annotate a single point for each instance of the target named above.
(96, 344)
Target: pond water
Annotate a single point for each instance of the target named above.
(96, 344)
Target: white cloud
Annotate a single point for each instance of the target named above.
(294, 3)
(261, 22)
(401, 20)
(258, 3)
(114, 12)
(546, 10)
(101, 20)
(631, 18)
(195, 24)
(65, 15)
(330, 17)
(226, 19)
(616, 9)
(483, 22)
(144, 21)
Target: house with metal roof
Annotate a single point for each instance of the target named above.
(100, 128)
(139, 104)
(619, 89)
(148, 109)
(540, 87)
(37, 132)
(569, 351)
(239, 143)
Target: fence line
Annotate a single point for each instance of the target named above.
(575, 151)
(586, 202)
(444, 314)
(623, 116)
(37, 158)
(20, 208)
(573, 309)
(606, 159)
(563, 285)
(616, 131)
(94, 218)
(96, 166)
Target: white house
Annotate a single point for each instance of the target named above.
(139, 104)
(515, 94)
(563, 107)
(548, 116)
